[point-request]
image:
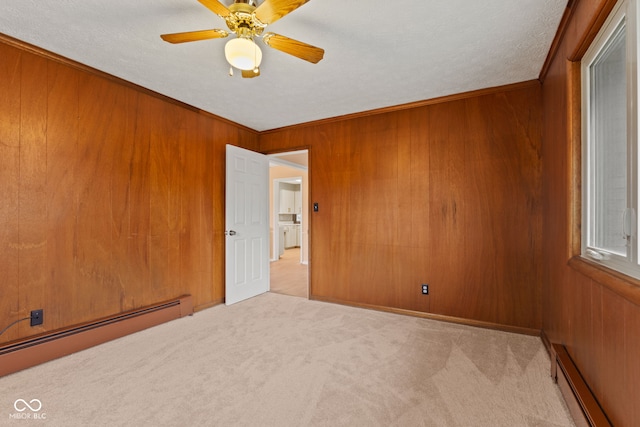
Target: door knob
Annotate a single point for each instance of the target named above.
(230, 233)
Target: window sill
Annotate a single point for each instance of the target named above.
(625, 286)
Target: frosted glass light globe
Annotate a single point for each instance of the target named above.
(243, 54)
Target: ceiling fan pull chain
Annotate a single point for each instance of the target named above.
(230, 71)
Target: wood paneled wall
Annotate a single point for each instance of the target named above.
(594, 314)
(111, 198)
(446, 194)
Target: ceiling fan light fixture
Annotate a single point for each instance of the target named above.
(247, 19)
(243, 54)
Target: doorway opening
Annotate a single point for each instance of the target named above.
(289, 223)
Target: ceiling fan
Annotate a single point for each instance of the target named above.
(247, 21)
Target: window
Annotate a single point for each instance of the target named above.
(610, 143)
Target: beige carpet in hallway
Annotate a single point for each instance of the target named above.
(277, 360)
(289, 276)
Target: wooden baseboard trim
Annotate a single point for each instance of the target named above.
(547, 344)
(208, 305)
(582, 404)
(22, 354)
(443, 318)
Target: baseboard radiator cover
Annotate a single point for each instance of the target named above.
(582, 404)
(22, 354)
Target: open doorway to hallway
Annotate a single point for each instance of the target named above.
(288, 275)
(289, 223)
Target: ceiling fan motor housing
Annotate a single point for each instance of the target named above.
(243, 22)
(253, 3)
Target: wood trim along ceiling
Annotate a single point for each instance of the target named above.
(592, 30)
(555, 44)
(409, 106)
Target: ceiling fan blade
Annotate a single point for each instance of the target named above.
(192, 36)
(216, 7)
(272, 10)
(294, 47)
(249, 74)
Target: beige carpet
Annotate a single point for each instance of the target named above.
(277, 360)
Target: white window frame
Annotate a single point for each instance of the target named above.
(624, 10)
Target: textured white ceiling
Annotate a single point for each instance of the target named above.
(377, 53)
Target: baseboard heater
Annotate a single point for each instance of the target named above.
(582, 404)
(32, 351)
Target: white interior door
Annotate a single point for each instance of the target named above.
(247, 225)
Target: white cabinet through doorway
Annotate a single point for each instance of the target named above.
(290, 201)
(297, 201)
(286, 201)
(296, 231)
(290, 236)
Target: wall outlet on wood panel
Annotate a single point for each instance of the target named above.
(425, 289)
(37, 317)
